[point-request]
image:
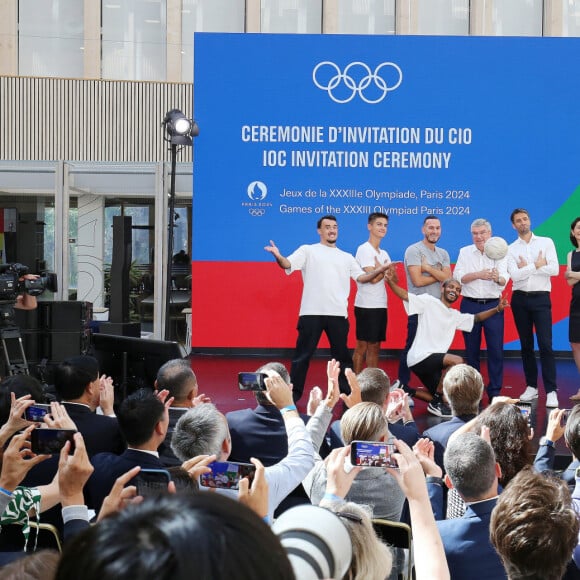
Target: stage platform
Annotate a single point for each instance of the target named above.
(217, 378)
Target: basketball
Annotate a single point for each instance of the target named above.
(495, 248)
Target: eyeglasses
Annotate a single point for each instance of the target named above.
(349, 516)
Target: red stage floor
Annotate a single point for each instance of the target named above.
(217, 378)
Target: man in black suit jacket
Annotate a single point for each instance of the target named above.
(177, 377)
(463, 388)
(143, 419)
(82, 390)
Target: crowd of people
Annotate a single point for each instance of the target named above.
(162, 484)
(467, 487)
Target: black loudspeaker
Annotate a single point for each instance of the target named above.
(55, 330)
(59, 345)
(64, 316)
(121, 264)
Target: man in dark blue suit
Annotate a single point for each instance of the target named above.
(143, 419)
(472, 470)
(374, 387)
(463, 389)
(260, 432)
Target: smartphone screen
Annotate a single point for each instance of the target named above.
(227, 474)
(564, 416)
(372, 454)
(36, 413)
(252, 381)
(526, 411)
(151, 482)
(50, 441)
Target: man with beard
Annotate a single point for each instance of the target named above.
(482, 282)
(326, 273)
(436, 326)
(426, 266)
(532, 260)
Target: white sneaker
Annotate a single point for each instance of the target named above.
(552, 399)
(529, 395)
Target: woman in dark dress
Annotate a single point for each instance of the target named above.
(573, 279)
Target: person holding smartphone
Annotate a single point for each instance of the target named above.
(203, 430)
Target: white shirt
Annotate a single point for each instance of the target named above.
(436, 326)
(326, 273)
(371, 295)
(284, 476)
(528, 278)
(472, 260)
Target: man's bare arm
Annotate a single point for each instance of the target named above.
(282, 261)
(392, 279)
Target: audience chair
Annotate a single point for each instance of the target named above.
(43, 536)
(400, 536)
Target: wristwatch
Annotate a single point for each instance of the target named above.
(545, 441)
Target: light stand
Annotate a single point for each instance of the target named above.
(178, 132)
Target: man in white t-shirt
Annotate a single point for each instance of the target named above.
(370, 304)
(436, 326)
(326, 273)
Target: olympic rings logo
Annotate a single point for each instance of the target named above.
(358, 78)
(256, 212)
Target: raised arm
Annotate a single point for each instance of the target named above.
(392, 279)
(481, 316)
(282, 261)
(432, 564)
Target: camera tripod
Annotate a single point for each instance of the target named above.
(9, 338)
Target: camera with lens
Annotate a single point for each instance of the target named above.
(11, 284)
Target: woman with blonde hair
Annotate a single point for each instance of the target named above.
(371, 559)
(372, 486)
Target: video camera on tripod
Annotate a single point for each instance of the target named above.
(14, 282)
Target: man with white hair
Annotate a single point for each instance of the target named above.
(204, 431)
(482, 282)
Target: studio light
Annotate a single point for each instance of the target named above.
(179, 128)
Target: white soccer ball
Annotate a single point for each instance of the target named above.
(495, 248)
